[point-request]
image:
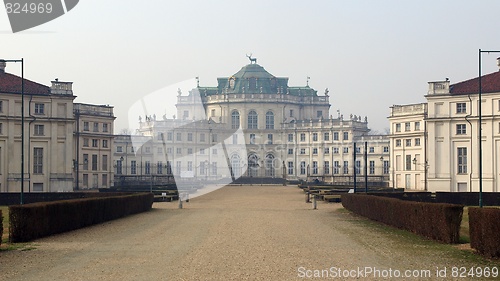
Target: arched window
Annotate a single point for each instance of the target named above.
(269, 120)
(252, 120)
(235, 165)
(253, 165)
(235, 120)
(269, 164)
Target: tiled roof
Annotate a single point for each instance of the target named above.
(10, 83)
(490, 83)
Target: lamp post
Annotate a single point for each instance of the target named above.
(22, 124)
(480, 132)
(425, 165)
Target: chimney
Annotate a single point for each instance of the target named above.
(2, 66)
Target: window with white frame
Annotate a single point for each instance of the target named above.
(461, 129)
(290, 137)
(326, 150)
(407, 127)
(39, 130)
(398, 127)
(417, 126)
(371, 169)
(461, 107)
(315, 136)
(302, 137)
(252, 120)
(417, 142)
(336, 136)
(408, 142)
(269, 120)
(346, 167)
(326, 136)
(462, 160)
(398, 143)
(37, 160)
(39, 108)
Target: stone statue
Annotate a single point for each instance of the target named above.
(326, 92)
(179, 92)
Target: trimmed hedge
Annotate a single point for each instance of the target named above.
(484, 231)
(1, 227)
(31, 221)
(436, 221)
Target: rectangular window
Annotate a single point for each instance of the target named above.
(252, 138)
(159, 168)
(96, 127)
(417, 126)
(94, 162)
(462, 160)
(315, 168)
(372, 149)
(461, 129)
(170, 136)
(202, 168)
(345, 150)
(398, 127)
(133, 167)
(386, 149)
(39, 130)
(408, 142)
(336, 166)
(86, 126)
(105, 143)
(85, 161)
(169, 150)
(214, 137)
(291, 112)
(335, 150)
(179, 137)
(417, 142)
(189, 151)
(177, 167)
(358, 149)
(326, 167)
(336, 136)
(39, 108)
(326, 136)
(104, 180)
(346, 136)
(169, 168)
(147, 168)
(105, 127)
(190, 136)
(346, 167)
(315, 136)
(214, 168)
(386, 167)
(302, 151)
(95, 143)
(290, 168)
(358, 167)
(461, 107)
(86, 180)
(302, 137)
(408, 163)
(398, 143)
(38, 187)
(37, 160)
(327, 150)
(119, 167)
(372, 167)
(315, 151)
(105, 162)
(302, 168)
(290, 137)
(290, 151)
(407, 127)
(269, 138)
(1, 106)
(202, 137)
(190, 166)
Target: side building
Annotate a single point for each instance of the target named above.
(93, 146)
(451, 137)
(48, 134)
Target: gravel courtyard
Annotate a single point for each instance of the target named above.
(234, 233)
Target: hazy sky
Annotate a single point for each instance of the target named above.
(370, 54)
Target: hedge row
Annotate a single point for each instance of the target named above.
(1, 227)
(31, 221)
(432, 220)
(484, 231)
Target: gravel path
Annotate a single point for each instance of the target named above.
(234, 233)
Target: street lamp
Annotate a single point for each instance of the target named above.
(22, 124)
(425, 165)
(480, 132)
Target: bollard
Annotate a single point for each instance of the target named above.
(180, 202)
(314, 202)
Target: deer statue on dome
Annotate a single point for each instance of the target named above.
(252, 60)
